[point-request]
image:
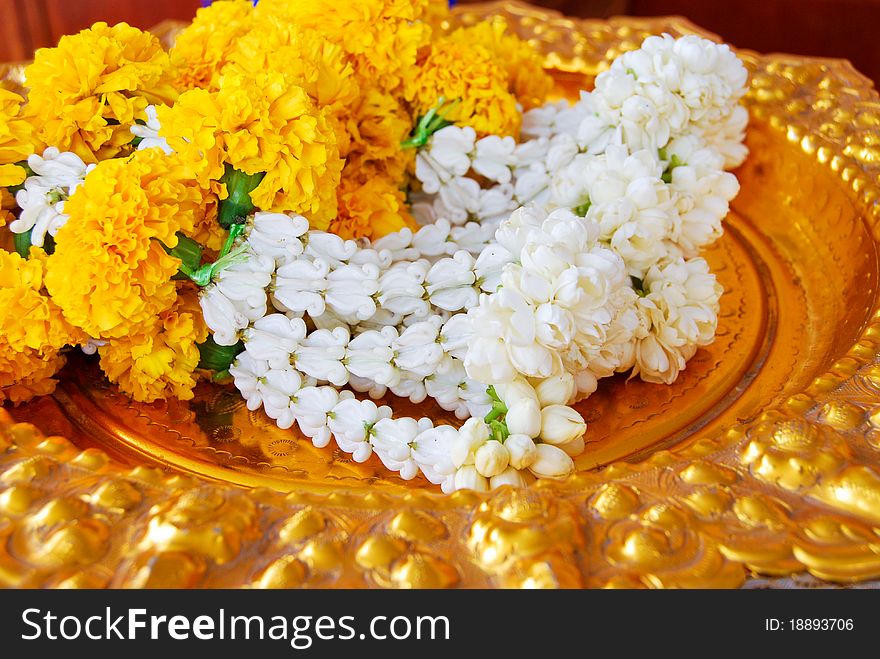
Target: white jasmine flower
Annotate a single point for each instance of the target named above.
(363, 385)
(489, 266)
(573, 447)
(450, 282)
(312, 405)
(468, 478)
(247, 373)
(431, 240)
(417, 350)
(350, 290)
(524, 417)
(682, 305)
(532, 184)
(401, 290)
(446, 156)
(393, 441)
(455, 335)
(399, 245)
(521, 449)
(432, 450)
(541, 121)
(223, 317)
(410, 386)
(702, 193)
(471, 436)
(56, 176)
(369, 355)
(300, 285)
(351, 421)
(551, 462)
(555, 390)
(277, 235)
(727, 137)
(274, 338)
(513, 233)
(472, 237)
(246, 282)
(277, 389)
(509, 476)
(365, 255)
(561, 424)
(321, 353)
(515, 390)
(446, 386)
(491, 459)
(329, 247)
(494, 158)
(149, 132)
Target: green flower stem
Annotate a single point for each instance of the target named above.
(434, 120)
(238, 204)
(190, 254)
(234, 232)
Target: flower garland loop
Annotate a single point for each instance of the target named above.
(328, 202)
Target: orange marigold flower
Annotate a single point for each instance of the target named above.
(17, 140)
(86, 93)
(371, 208)
(110, 273)
(7, 203)
(158, 361)
(382, 37)
(258, 122)
(27, 373)
(377, 125)
(526, 77)
(469, 78)
(31, 319)
(202, 50)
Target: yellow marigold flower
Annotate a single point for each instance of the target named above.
(371, 208)
(207, 232)
(202, 50)
(85, 93)
(30, 319)
(526, 77)
(110, 273)
(377, 125)
(7, 203)
(306, 59)
(382, 37)
(158, 361)
(470, 76)
(258, 122)
(16, 140)
(28, 373)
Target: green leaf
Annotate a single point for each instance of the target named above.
(238, 205)
(187, 250)
(216, 357)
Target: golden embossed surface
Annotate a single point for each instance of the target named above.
(761, 460)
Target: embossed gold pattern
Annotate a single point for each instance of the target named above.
(763, 459)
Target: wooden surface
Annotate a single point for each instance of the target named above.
(832, 28)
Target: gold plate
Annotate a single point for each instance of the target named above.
(762, 459)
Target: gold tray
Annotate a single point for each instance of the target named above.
(761, 460)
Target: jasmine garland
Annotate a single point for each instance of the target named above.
(541, 267)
